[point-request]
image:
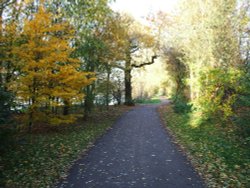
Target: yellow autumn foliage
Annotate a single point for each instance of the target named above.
(48, 71)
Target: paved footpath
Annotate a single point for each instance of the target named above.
(136, 153)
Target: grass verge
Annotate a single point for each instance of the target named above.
(39, 159)
(148, 101)
(217, 154)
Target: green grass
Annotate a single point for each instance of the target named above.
(216, 152)
(148, 101)
(38, 160)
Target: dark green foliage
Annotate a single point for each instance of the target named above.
(5, 105)
(6, 129)
(182, 107)
(181, 104)
(177, 70)
(241, 118)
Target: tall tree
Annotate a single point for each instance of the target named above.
(177, 71)
(48, 71)
(137, 39)
(88, 18)
(112, 36)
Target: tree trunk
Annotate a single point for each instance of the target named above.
(128, 84)
(89, 100)
(1, 33)
(30, 123)
(66, 107)
(89, 93)
(31, 111)
(128, 77)
(119, 97)
(108, 86)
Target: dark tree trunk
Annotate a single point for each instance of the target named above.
(89, 93)
(31, 111)
(1, 63)
(119, 102)
(119, 97)
(30, 123)
(89, 100)
(128, 84)
(128, 77)
(66, 108)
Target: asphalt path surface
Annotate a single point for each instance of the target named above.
(137, 152)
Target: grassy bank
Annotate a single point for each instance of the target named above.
(39, 159)
(216, 152)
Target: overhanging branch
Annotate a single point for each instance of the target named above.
(147, 63)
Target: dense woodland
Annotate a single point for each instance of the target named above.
(59, 59)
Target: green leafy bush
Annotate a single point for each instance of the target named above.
(181, 105)
(220, 88)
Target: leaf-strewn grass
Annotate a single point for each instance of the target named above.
(219, 156)
(38, 160)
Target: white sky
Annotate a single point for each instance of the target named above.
(141, 8)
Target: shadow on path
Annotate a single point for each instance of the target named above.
(136, 153)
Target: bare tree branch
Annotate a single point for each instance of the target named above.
(147, 63)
